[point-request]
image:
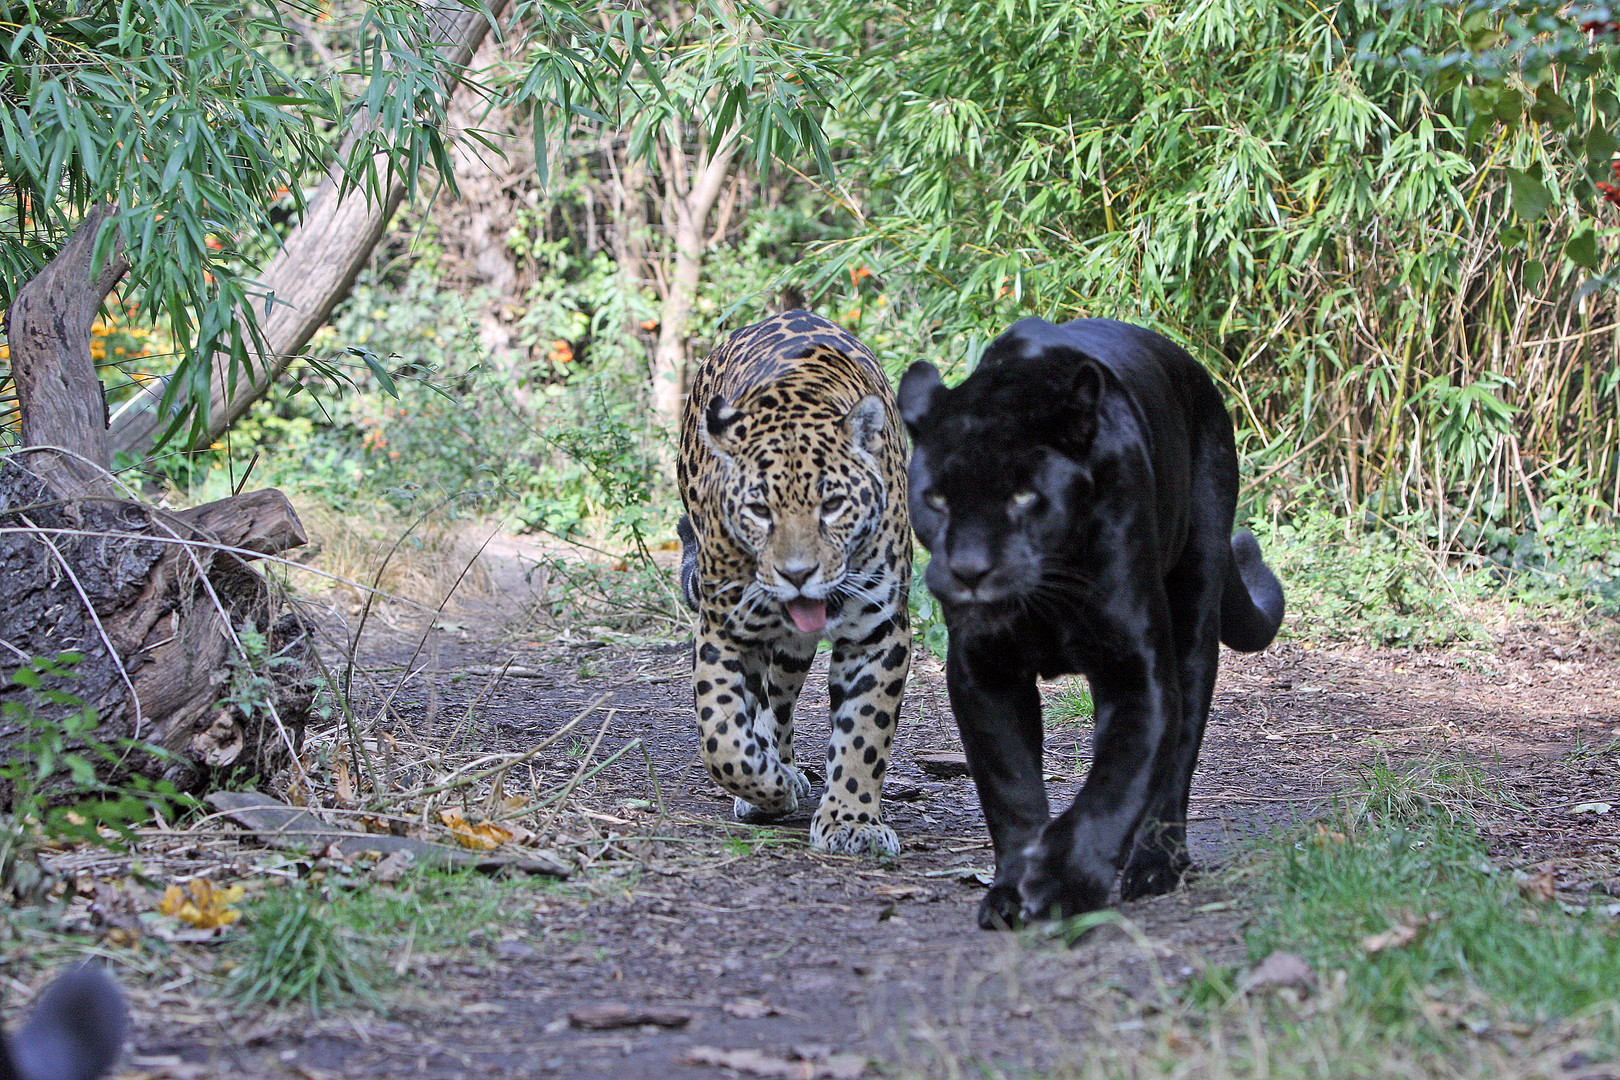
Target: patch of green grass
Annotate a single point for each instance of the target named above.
(1072, 704)
(1458, 939)
(323, 947)
(296, 949)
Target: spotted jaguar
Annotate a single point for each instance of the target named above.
(792, 469)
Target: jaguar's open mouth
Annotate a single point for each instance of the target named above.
(810, 616)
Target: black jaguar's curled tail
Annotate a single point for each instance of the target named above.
(689, 570)
(76, 1031)
(1252, 599)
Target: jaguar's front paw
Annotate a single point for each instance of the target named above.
(1001, 909)
(1152, 873)
(1059, 880)
(780, 801)
(852, 837)
(745, 811)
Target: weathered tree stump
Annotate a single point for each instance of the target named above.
(185, 647)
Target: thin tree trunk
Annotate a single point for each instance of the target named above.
(58, 391)
(314, 269)
(687, 208)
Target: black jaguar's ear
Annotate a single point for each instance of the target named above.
(1085, 390)
(920, 386)
(864, 423)
(720, 425)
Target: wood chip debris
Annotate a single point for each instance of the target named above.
(759, 1063)
(611, 1014)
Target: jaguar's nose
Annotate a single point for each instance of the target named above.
(970, 565)
(797, 574)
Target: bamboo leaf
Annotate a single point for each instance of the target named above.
(1530, 196)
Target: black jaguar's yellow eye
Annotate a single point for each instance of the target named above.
(1023, 500)
(833, 506)
(935, 500)
(759, 510)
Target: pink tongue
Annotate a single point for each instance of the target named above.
(808, 615)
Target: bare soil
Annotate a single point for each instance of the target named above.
(706, 936)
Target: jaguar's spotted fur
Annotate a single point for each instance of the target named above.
(792, 468)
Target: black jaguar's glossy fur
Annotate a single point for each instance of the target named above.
(1077, 494)
(74, 1032)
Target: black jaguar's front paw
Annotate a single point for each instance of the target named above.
(1061, 897)
(1062, 877)
(999, 910)
(1152, 872)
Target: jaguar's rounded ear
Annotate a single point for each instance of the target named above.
(1085, 391)
(721, 425)
(920, 387)
(864, 423)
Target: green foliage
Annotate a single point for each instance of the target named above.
(295, 951)
(1251, 179)
(323, 945)
(927, 617)
(1385, 580)
(1072, 704)
(195, 119)
(55, 793)
(1476, 944)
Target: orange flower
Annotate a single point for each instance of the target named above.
(649, 324)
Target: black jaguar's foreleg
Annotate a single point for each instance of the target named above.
(999, 717)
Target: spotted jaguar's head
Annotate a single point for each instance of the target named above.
(803, 489)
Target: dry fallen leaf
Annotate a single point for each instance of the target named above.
(390, 868)
(484, 836)
(1593, 808)
(342, 783)
(1402, 933)
(1324, 836)
(202, 904)
(1278, 971)
(1542, 886)
(902, 892)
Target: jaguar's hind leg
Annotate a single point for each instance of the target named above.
(736, 731)
(783, 679)
(1159, 858)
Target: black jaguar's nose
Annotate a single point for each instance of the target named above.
(971, 565)
(797, 576)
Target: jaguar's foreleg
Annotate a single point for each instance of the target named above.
(865, 683)
(737, 730)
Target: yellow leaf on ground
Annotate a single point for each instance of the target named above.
(484, 836)
(202, 904)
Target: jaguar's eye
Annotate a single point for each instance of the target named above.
(1023, 500)
(833, 506)
(935, 500)
(759, 510)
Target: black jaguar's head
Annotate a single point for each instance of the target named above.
(1001, 473)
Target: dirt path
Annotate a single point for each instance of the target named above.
(745, 940)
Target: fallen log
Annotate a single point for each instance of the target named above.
(185, 648)
(187, 660)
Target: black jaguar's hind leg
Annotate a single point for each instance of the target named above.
(1159, 857)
